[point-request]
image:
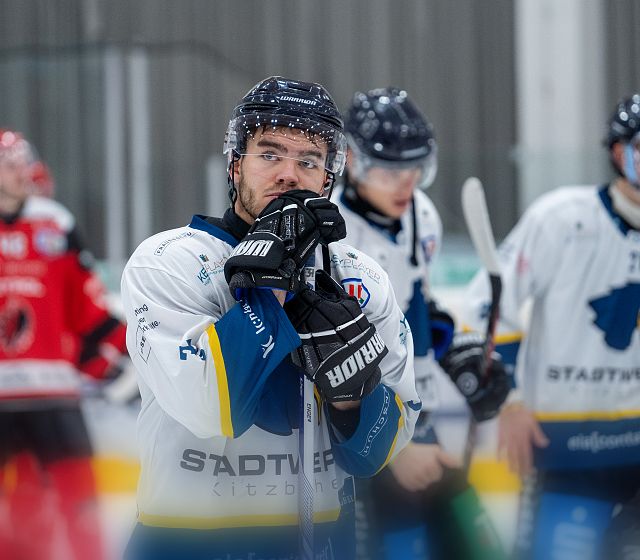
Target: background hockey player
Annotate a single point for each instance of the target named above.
(392, 157)
(52, 323)
(212, 345)
(572, 425)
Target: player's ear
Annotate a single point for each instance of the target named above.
(617, 154)
(235, 168)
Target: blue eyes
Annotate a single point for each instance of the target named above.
(304, 163)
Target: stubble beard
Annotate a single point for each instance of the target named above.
(247, 198)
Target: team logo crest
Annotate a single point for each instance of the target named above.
(355, 287)
(16, 326)
(617, 315)
(428, 245)
(50, 242)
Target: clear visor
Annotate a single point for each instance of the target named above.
(378, 173)
(632, 161)
(277, 139)
(307, 172)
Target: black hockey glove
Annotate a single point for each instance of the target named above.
(281, 240)
(485, 392)
(442, 327)
(341, 351)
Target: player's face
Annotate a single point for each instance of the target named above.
(14, 178)
(389, 190)
(276, 161)
(627, 158)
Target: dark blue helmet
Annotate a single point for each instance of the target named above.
(386, 129)
(623, 127)
(280, 102)
(624, 124)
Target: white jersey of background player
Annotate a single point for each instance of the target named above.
(220, 396)
(576, 254)
(392, 151)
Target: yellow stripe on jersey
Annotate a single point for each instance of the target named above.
(504, 338)
(395, 439)
(509, 338)
(120, 475)
(234, 521)
(223, 387)
(587, 415)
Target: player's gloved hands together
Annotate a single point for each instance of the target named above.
(341, 351)
(281, 240)
(485, 391)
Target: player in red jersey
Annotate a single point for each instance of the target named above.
(53, 325)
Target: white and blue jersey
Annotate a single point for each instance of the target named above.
(410, 280)
(220, 402)
(578, 364)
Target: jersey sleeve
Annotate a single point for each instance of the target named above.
(527, 257)
(387, 415)
(207, 372)
(385, 426)
(100, 335)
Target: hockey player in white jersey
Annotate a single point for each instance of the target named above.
(423, 497)
(212, 342)
(572, 426)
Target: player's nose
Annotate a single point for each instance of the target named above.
(288, 173)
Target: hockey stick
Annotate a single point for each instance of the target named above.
(306, 446)
(476, 215)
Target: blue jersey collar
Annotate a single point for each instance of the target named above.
(200, 222)
(618, 220)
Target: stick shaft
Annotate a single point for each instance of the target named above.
(306, 446)
(476, 214)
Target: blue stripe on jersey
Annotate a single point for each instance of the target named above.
(255, 336)
(331, 540)
(198, 222)
(368, 449)
(588, 444)
(417, 314)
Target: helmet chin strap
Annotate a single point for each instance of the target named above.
(231, 178)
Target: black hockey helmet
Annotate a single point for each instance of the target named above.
(624, 126)
(280, 102)
(386, 129)
(624, 123)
